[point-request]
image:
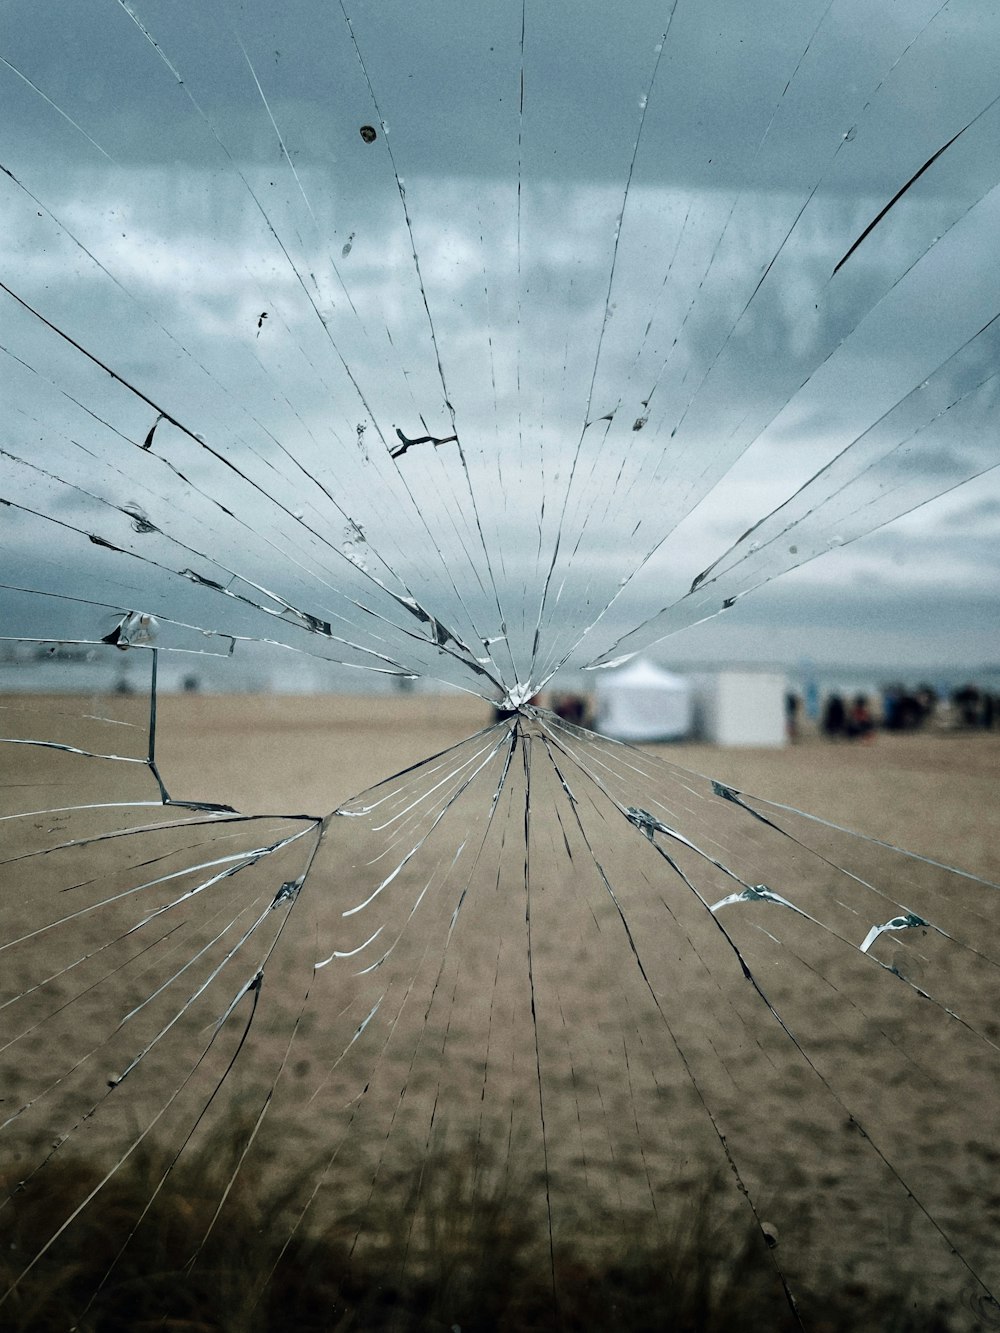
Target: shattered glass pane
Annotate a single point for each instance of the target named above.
(438, 345)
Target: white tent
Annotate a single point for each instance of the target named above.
(641, 702)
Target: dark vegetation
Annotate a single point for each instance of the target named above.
(472, 1261)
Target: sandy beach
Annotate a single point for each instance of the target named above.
(585, 1032)
(929, 792)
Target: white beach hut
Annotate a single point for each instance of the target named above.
(740, 707)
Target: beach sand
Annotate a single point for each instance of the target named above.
(929, 792)
(532, 1035)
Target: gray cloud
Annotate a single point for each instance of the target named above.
(547, 306)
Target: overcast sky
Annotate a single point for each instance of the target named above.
(617, 259)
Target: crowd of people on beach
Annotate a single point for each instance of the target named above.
(851, 718)
(901, 709)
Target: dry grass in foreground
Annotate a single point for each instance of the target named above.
(477, 1265)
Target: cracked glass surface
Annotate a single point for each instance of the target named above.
(408, 340)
